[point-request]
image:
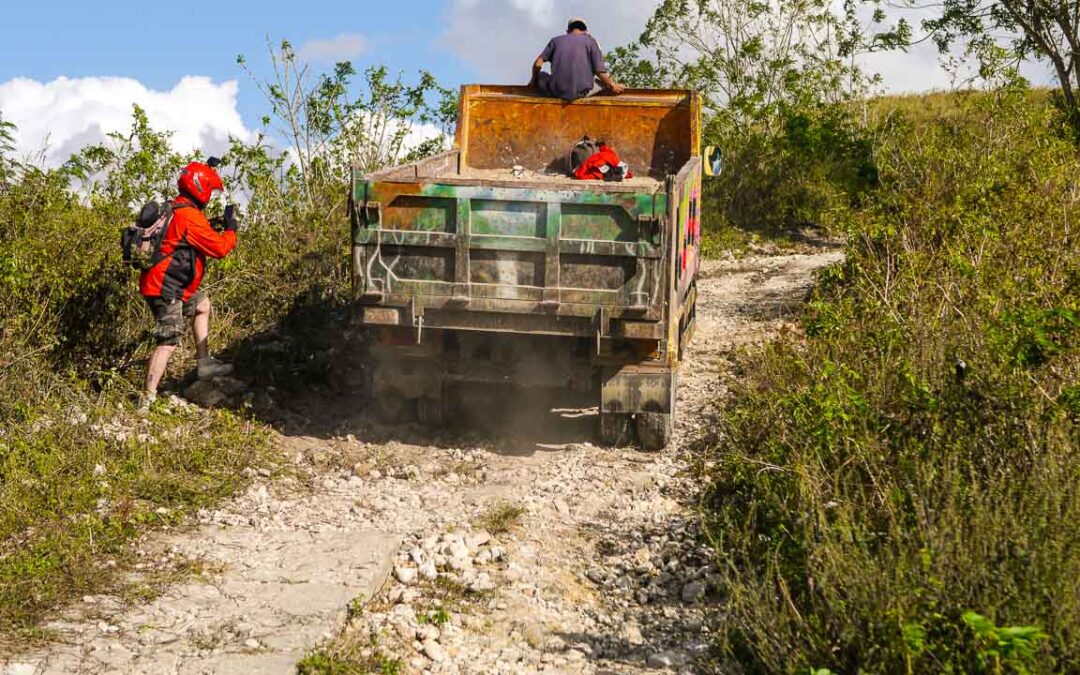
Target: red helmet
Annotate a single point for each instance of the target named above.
(199, 181)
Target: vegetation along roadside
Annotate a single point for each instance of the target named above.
(82, 474)
(893, 487)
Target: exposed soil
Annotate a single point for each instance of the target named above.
(525, 549)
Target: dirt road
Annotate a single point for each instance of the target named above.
(530, 550)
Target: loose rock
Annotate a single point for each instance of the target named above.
(434, 651)
(406, 575)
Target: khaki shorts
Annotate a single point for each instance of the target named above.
(169, 317)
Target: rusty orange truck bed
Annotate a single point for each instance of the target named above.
(460, 256)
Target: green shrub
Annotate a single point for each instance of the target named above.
(914, 458)
(80, 474)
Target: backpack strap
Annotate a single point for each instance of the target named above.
(182, 243)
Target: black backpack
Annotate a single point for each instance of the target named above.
(582, 150)
(141, 242)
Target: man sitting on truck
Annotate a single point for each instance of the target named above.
(577, 65)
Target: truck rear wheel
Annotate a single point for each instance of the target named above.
(391, 408)
(616, 429)
(654, 430)
(429, 411)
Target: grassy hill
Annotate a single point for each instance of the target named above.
(896, 487)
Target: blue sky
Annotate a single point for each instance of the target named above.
(152, 43)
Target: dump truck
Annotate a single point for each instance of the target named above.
(490, 264)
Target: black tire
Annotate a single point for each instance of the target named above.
(429, 411)
(616, 430)
(393, 409)
(654, 430)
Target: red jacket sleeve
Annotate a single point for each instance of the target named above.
(205, 240)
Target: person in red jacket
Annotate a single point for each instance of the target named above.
(171, 287)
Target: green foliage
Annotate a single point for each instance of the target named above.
(915, 454)
(7, 146)
(80, 473)
(1014, 647)
(783, 98)
(1001, 34)
(128, 170)
(435, 617)
(350, 662)
(82, 478)
(749, 59)
(332, 125)
(501, 517)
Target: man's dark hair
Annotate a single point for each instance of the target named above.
(577, 25)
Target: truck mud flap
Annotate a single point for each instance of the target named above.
(637, 389)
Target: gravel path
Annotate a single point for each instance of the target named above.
(468, 553)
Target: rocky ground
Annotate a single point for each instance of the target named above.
(525, 550)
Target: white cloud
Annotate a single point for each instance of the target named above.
(921, 67)
(57, 118)
(344, 47)
(370, 139)
(420, 134)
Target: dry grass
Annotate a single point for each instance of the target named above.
(501, 517)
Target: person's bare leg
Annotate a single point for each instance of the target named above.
(208, 366)
(155, 370)
(201, 328)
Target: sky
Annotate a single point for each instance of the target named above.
(70, 70)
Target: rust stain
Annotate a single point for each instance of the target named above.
(655, 132)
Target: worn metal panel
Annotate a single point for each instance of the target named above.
(523, 232)
(590, 259)
(687, 226)
(500, 126)
(608, 273)
(420, 213)
(418, 263)
(637, 390)
(430, 167)
(508, 218)
(599, 221)
(511, 268)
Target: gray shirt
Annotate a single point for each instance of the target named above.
(575, 60)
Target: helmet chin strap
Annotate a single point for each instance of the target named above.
(187, 195)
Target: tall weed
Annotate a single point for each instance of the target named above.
(914, 458)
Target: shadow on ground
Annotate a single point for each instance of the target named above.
(648, 591)
(310, 376)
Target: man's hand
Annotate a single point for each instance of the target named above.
(610, 84)
(229, 218)
(538, 65)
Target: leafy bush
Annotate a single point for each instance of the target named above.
(80, 472)
(914, 457)
(784, 101)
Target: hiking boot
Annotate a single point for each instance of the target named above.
(147, 399)
(211, 367)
